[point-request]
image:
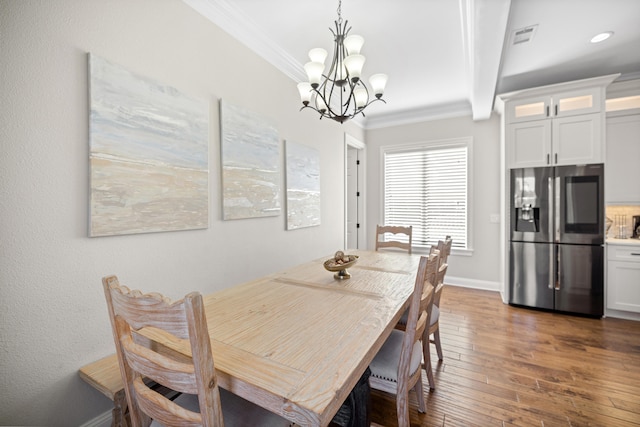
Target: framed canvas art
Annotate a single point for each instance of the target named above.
(250, 153)
(303, 186)
(149, 154)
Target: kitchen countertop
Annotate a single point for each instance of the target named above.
(630, 242)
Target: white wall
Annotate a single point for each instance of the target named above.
(53, 315)
(482, 268)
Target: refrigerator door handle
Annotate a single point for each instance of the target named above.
(550, 215)
(552, 276)
(556, 209)
(557, 276)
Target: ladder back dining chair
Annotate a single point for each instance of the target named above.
(199, 400)
(396, 367)
(444, 249)
(433, 327)
(394, 236)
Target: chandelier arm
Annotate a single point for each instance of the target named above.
(374, 100)
(329, 112)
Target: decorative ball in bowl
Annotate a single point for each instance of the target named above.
(339, 264)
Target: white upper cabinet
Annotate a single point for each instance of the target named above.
(585, 101)
(529, 143)
(623, 98)
(622, 173)
(561, 124)
(577, 139)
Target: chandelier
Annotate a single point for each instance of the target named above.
(340, 94)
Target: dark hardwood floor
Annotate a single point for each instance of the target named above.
(507, 366)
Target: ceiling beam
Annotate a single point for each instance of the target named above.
(484, 27)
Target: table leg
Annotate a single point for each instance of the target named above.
(356, 410)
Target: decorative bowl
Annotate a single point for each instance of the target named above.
(339, 264)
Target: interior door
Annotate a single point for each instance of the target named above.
(352, 198)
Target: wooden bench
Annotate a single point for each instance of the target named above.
(104, 375)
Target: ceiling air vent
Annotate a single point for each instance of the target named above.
(523, 35)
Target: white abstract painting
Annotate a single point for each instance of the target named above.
(250, 164)
(303, 186)
(149, 154)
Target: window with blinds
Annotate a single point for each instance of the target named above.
(426, 186)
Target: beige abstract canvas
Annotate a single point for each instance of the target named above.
(303, 186)
(149, 154)
(250, 164)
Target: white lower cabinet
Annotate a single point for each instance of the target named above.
(623, 277)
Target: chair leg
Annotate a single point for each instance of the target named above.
(436, 339)
(402, 406)
(422, 406)
(429, 369)
(426, 355)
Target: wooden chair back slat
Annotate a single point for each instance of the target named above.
(391, 241)
(164, 370)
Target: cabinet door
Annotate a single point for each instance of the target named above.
(623, 286)
(622, 172)
(577, 140)
(528, 109)
(572, 103)
(529, 144)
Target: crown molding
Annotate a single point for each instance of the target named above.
(601, 81)
(405, 117)
(227, 16)
(238, 25)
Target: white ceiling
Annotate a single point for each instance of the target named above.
(443, 57)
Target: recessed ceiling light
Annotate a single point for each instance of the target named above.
(601, 37)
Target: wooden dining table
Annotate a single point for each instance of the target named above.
(297, 342)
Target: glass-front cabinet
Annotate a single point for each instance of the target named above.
(556, 125)
(564, 104)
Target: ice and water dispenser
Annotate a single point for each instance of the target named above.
(526, 204)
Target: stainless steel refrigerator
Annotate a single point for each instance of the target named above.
(557, 238)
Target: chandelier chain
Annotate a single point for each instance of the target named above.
(339, 12)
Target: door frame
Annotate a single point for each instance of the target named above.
(351, 141)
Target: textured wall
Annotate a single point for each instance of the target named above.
(53, 317)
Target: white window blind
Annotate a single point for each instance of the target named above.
(426, 187)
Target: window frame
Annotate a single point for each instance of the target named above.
(467, 142)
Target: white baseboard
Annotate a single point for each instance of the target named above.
(627, 315)
(102, 420)
(473, 283)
